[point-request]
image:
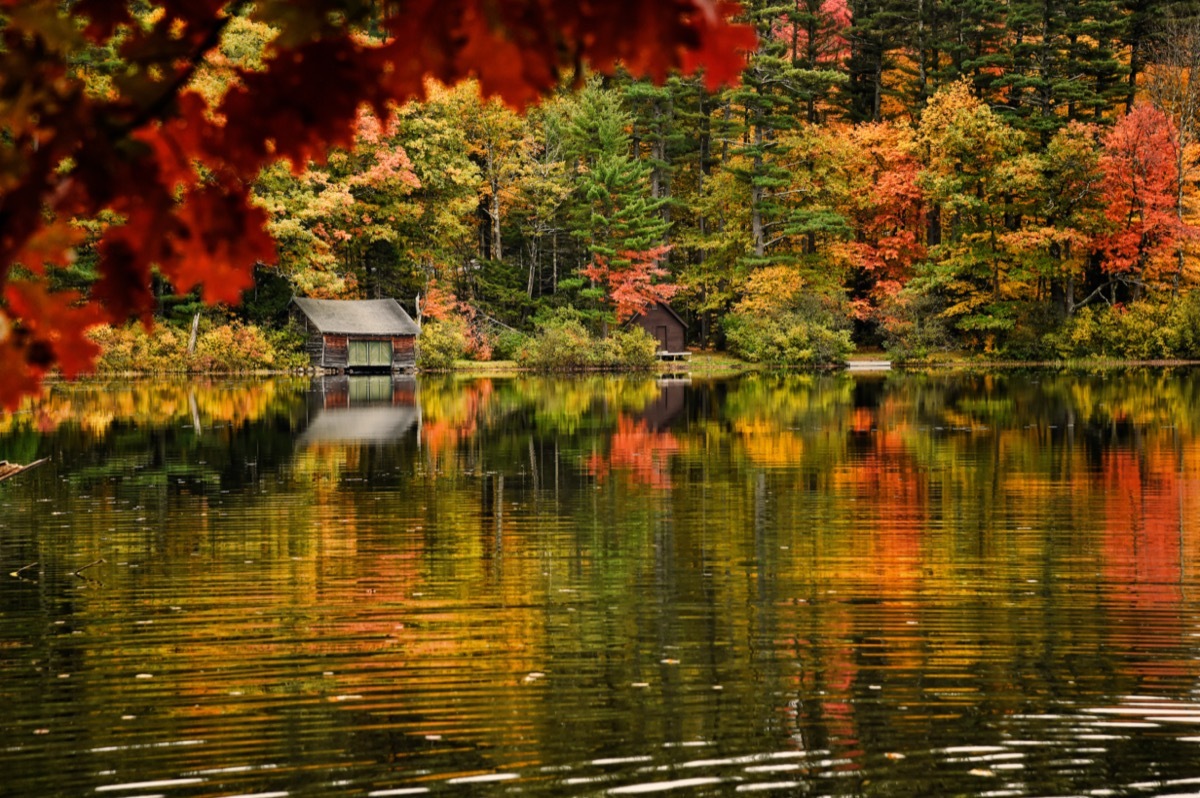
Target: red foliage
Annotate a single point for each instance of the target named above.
(826, 36)
(136, 150)
(439, 303)
(638, 451)
(884, 204)
(630, 281)
(1140, 181)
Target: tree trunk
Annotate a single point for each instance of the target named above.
(756, 196)
(191, 350)
(497, 250)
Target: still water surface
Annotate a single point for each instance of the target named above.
(896, 585)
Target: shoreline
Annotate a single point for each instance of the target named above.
(701, 364)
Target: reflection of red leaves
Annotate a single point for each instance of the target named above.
(638, 452)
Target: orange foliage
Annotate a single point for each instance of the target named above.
(635, 450)
(631, 287)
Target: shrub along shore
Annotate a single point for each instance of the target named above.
(1097, 339)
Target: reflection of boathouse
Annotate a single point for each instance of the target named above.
(361, 409)
(669, 403)
(357, 335)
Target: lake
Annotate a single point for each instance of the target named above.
(895, 584)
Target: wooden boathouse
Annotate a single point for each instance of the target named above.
(349, 335)
(666, 327)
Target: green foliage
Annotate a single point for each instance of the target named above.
(507, 344)
(1148, 330)
(441, 343)
(790, 339)
(563, 343)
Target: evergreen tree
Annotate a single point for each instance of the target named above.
(614, 216)
(877, 30)
(775, 88)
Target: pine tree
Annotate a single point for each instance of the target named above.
(614, 217)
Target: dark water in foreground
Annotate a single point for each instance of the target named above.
(897, 585)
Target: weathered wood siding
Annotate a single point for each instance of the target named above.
(664, 328)
(314, 342)
(404, 353)
(337, 352)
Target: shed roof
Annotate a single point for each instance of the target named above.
(665, 307)
(357, 316)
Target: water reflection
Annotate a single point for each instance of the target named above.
(892, 584)
(360, 409)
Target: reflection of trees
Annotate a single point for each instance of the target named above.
(637, 451)
(817, 546)
(94, 407)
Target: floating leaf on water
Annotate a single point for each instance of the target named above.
(669, 661)
(534, 676)
(640, 684)
(144, 676)
(895, 756)
(984, 772)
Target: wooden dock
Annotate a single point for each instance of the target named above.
(673, 355)
(869, 365)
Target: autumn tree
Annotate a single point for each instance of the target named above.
(884, 206)
(338, 225)
(175, 167)
(1067, 217)
(1173, 85)
(619, 224)
(975, 172)
(1140, 178)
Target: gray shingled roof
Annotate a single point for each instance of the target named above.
(357, 316)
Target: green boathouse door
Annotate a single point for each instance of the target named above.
(370, 354)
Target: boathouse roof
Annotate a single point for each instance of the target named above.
(357, 316)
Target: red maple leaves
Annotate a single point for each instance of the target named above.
(630, 280)
(1140, 181)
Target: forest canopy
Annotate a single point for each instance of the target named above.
(111, 144)
(797, 178)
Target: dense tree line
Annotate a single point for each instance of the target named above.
(1011, 177)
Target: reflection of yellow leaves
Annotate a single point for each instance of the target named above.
(767, 445)
(96, 406)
